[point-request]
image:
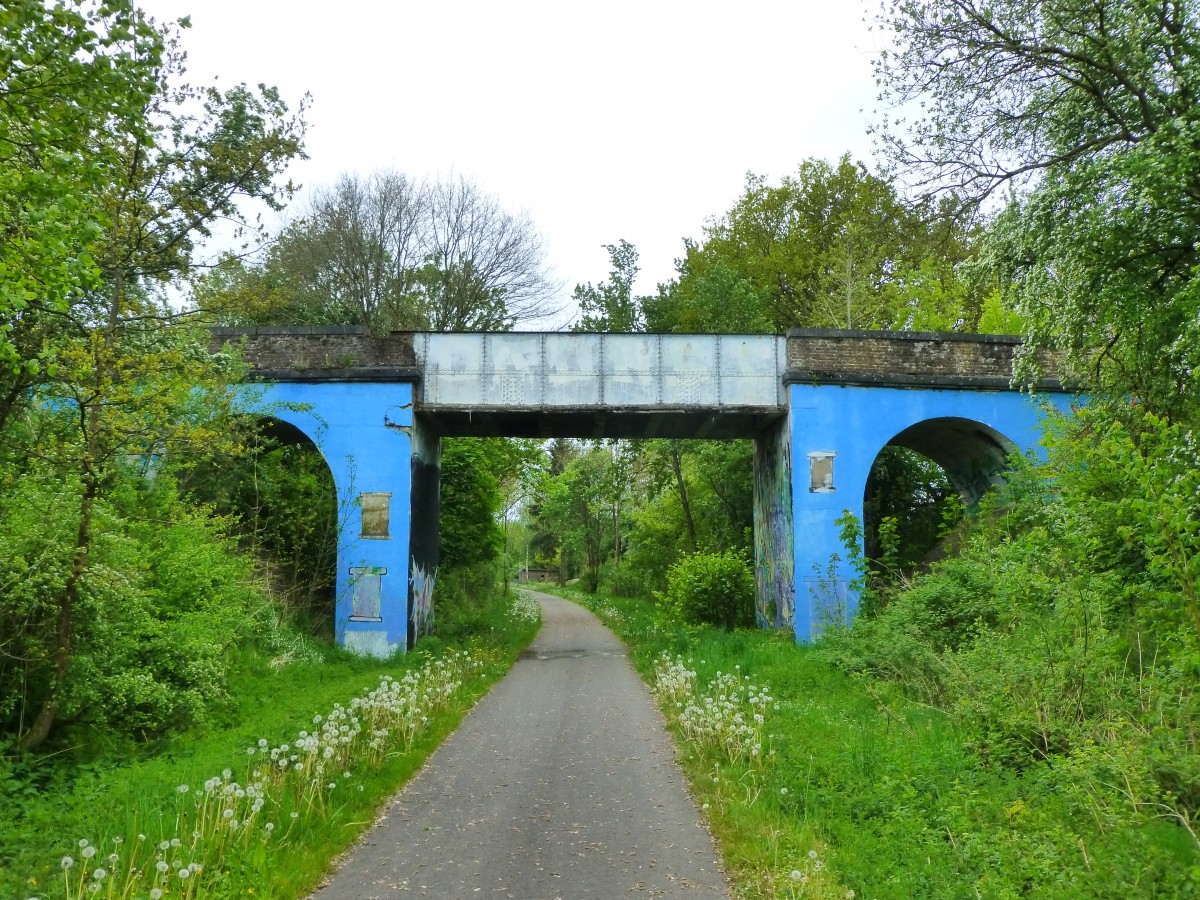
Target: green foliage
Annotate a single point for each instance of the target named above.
(908, 507)
(892, 797)
(623, 579)
(1086, 112)
(55, 801)
(1064, 636)
(712, 589)
(470, 500)
(611, 305)
(71, 76)
(282, 504)
(113, 172)
(831, 246)
(168, 601)
(717, 300)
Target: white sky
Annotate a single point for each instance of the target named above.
(624, 119)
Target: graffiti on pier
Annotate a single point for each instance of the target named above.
(422, 600)
(773, 560)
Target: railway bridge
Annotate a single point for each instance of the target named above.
(819, 406)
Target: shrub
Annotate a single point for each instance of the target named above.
(712, 589)
(623, 580)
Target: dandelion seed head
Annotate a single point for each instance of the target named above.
(88, 852)
(156, 894)
(796, 874)
(99, 874)
(162, 867)
(183, 789)
(67, 862)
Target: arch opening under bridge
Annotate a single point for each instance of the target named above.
(819, 406)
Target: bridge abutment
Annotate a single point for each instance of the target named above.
(837, 432)
(365, 432)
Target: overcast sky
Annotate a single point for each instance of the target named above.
(623, 119)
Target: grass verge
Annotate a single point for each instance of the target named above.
(825, 786)
(261, 805)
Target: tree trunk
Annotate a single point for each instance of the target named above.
(676, 464)
(40, 729)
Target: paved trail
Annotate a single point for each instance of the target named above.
(561, 783)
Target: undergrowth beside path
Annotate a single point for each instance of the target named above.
(261, 807)
(825, 786)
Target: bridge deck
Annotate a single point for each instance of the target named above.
(591, 385)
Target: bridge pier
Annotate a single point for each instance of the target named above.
(838, 430)
(366, 433)
(774, 554)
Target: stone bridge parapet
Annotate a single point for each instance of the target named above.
(911, 359)
(325, 353)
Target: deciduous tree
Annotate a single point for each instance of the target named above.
(1087, 113)
(123, 374)
(392, 253)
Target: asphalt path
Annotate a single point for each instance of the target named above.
(560, 784)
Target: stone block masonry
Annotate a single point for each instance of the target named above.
(899, 358)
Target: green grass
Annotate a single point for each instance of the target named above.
(117, 796)
(862, 790)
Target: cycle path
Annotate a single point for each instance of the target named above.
(561, 784)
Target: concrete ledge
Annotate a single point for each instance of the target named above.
(275, 330)
(877, 379)
(983, 361)
(350, 373)
(951, 336)
(310, 349)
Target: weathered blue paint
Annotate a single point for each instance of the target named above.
(854, 423)
(364, 432)
(815, 445)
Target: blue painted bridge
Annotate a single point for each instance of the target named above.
(819, 406)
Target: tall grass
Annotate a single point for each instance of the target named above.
(260, 807)
(857, 791)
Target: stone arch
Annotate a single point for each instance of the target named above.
(971, 453)
(313, 586)
(284, 432)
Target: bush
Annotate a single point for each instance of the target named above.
(711, 589)
(623, 580)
